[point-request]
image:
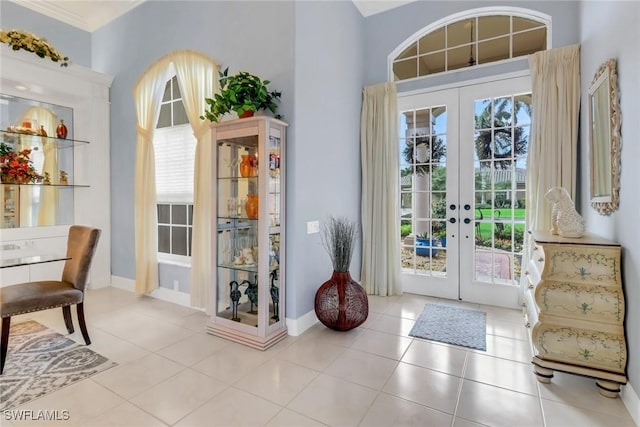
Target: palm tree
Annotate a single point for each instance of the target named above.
(498, 147)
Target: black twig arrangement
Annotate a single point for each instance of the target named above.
(339, 237)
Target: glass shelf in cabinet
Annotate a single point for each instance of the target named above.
(239, 178)
(32, 184)
(239, 220)
(274, 229)
(252, 268)
(9, 137)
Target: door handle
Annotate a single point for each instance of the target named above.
(467, 220)
(467, 207)
(452, 207)
(452, 220)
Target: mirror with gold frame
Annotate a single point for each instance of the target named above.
(604, 139)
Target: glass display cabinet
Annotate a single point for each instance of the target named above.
(248, 251)
(42, 194)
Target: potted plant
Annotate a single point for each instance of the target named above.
(426, 245)
(442, 234)
(243, 93)
(341, 303)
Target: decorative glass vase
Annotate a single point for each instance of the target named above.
(246, 165)
(341, 303)
(61, 130)
(252, 206)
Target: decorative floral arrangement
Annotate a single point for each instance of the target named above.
(19, 39)
(16, 167)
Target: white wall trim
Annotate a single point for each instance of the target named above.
(164, 294)
(123, 283)
(297, 326)
(631, 401)
(465, 83)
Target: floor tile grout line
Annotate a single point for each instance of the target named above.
(126, 400)
(461, 383)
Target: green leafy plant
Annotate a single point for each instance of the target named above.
(424, 235)
(241, 92)
(405, 230)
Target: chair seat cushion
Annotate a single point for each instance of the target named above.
(37, 296)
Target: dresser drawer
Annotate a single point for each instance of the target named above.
(592, 303)
(582, 347)
(536, 265)
(582, 264)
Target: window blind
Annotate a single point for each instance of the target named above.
(175, 149)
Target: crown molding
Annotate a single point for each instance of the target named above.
(87, 16)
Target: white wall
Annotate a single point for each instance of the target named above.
(611, 29)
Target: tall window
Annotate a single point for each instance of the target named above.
(174, 145)
(470, 41)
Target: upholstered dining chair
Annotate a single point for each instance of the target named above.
(44, 295)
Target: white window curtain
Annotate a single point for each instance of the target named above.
(196, 75)
(197, 78)
(147, 95)
(380, 186)
(552, 158)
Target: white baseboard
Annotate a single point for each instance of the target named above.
(297, 326)
(631, 401)
(163, 294)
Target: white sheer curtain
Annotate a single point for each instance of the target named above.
(380, 185)
(147, 95)
(197, 78)
(555, 80)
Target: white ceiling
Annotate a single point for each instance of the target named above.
(89, 15)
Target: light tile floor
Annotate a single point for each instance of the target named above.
(172, 373)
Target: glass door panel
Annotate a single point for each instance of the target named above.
(426, 169)
(499, 128)
(462, 195)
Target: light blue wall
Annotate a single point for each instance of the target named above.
(297, 47)
(609, 29)
(250, 36)
(386, 31)
(70, 41)
(324, 155)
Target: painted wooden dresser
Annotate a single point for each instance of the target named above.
(580, 306)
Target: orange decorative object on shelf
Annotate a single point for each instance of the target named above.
(252, 206)
(246, 165)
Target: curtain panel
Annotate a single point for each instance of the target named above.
(552, 157)
(380, 185)
(196, 75)
(197, 78)
(147, 95)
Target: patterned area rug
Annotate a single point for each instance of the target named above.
(41, 361)
(452, 325)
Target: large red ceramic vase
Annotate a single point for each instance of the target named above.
(341, 303)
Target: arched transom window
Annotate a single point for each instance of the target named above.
(461, 42)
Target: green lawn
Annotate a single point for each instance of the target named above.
(504, 213)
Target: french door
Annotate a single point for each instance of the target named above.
(462, 165)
